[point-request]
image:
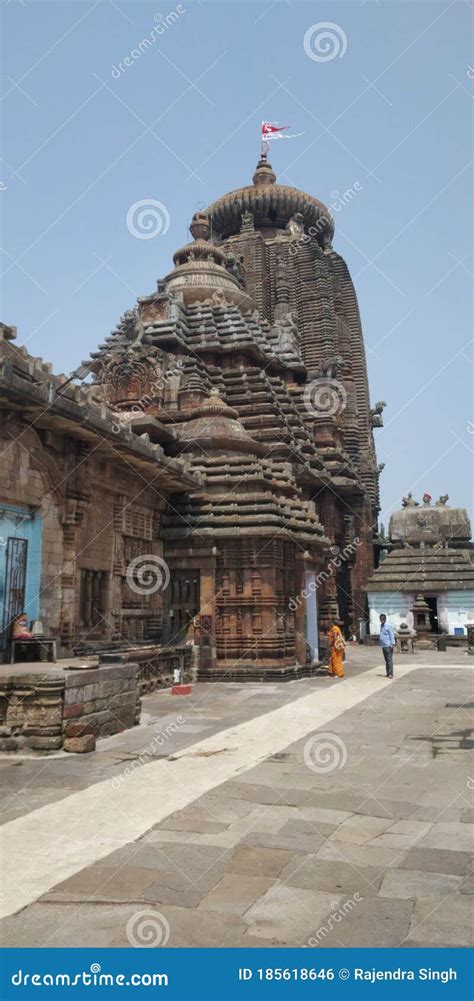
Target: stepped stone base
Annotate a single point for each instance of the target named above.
(47, 707)
(253, 672)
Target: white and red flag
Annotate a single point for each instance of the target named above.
(272, 131)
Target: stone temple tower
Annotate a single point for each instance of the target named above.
(249, 360)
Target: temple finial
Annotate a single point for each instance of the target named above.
(199, 227)
(264, 173)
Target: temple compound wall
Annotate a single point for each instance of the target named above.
(85, 534)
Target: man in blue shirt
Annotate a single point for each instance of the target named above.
(387, 642)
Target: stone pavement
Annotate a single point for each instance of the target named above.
(357, 834)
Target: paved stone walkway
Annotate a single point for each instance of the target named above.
(356, 834)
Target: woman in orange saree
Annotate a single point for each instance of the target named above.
(336, 650)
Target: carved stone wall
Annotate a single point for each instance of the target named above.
(96, 517)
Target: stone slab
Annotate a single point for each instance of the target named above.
(306, 843)
(357, 830)
(104, 883)
(359, 855)
(454, 837)
(288, 914)
(417, 828)
(313, 873)
(411, 883)
(265, 794)
(224, 809)
(320, 815)
(400, 842)
(257, 861)
(235, 893)
(437, 860)
(309, 827)
(185, 823)
(377, 921)
(441, 921)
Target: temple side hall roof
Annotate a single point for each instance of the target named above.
(428, 569)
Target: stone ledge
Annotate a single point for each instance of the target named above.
(66, 708)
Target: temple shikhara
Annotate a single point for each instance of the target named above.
(212, 491)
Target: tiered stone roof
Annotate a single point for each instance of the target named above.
(50, 401)
(422, 570)
(258, 309)
(431, 549)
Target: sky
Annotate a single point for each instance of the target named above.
(93, 125)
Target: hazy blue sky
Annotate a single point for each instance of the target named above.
(84, 142)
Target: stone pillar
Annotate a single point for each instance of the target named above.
(312, 614)
(300, 611)
(207, 615)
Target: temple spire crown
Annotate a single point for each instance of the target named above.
(264, 173)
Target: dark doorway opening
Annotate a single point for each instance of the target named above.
(433, 606)
(344, 598)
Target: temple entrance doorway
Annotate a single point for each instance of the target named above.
(432, 601)
(184, 604)
(344, 598)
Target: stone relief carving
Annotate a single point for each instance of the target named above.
(295, 226)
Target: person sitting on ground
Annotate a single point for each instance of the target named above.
(337, 646)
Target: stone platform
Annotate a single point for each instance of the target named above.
(217, 823)
(48, 706)
(257, 673)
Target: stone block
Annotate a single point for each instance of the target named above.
(92, 708)
(75, 709)
(8, 744)
(45, 743)
(79, 729)
(90, 692)
(80, 745)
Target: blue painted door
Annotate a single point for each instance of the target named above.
(20, 566)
